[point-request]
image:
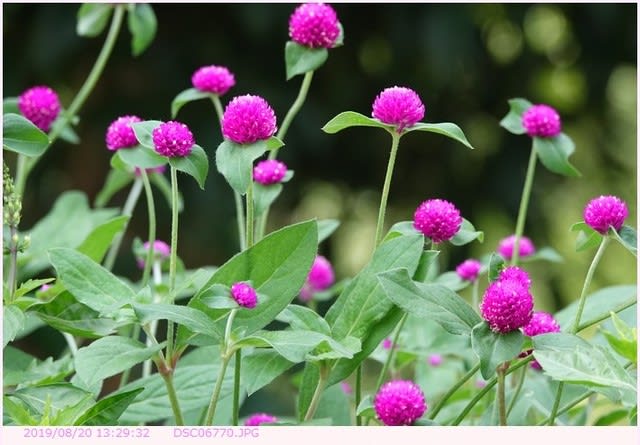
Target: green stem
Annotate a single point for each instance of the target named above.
(236, 388)
(83, 94)
(127, 210)
(151, 236)
(395, 142)
(173, 398)
(315, 400)
(358, 394)
(173, 256)
(474, 295)
(436, 409)
(394, 344)
(524, 205)
(523, 375)
(153, 326)
(240, 219)
(71, 342)
(250, 218)
(218, 106)
(211, 411)
(502, 412)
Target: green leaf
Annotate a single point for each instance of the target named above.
(186, 96)
(554, 154)
(67, 133)
(300, 59)
(365, 408)
(116, 181)
(30, 285)
(334, 404)
(264, 196)
(235, 162)
(493, 349)
(308, 383)
(34, 371)
(428, 268)
(195, 164)
(191, 318)
(20, 135)
(445, 128)
(93, 18)
(599, 305)
(303, 318)
(430, 301)
(451, 280)
(496, 264)
(587, 237)
(12, 323)
(144, 132)
(10, 105)
(611, 418)
(544, 254)
(326, 227)
(348, 119)
(89, 282)
(628, 238)
(142, 25)
(261, 367)
(56, 396)
(95, 245)
(625, 343)
(15, 410)
(140, 156)
(110, 355)
(108, 410)
(512, 122)
(466, 234)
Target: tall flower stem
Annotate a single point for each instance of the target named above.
(173, 398)
(500, 394)
(474, 296)
(83, 94)
(151, 235)
(315, 400)
(524, 205)
(576, 322)
(395, 142)
(250, 218)
(523, 375)
(173, 255)
(225, 357)
(436, 409)
(391, 355)
(236, 388)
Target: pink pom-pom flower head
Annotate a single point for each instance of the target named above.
(40, 105)
(517, 274)
(604, 212)
(437, 219)
(507, 305)
(161, 252)
(248, 119)
(270, 171)
(399, 402)
(245, 295)
(541, 121)
(314, 25)
(120, 133)
(260, 418)
(213, 79)
(321, 277)
(525, 247)
(398, 106)
(469, 269)
(540, 323)
(173, 139)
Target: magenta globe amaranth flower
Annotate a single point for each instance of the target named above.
(213, 79)
(399, 402)
(248, 119)
(120, 134)
(321, 277)
(387, 343)
(314, 25)
(161, 252)
(260, 418)
(173, 139)
(517, 274)
(40, 105)
(245, 295)
(270, 171)
(398, 106)
(507, 305)
(525, 247)
(541, 121)
(541, 323)
(469, 269)
(604, 212)
(437, 219)
(435, 360)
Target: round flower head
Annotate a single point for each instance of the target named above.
(507, 305)
(435, 360)
(213, 79)
(541, 323)
(40, 105)
(248, 119)
(398, 106)
(604, 212)
(399, 402)
(244, 295)
(469, 270)
(173, 139)
(525, 246)
(270, 171)
(320, 277)
(120, 134)
(541, 121)
(346, 388)
(437, 219)
(517, 274)
(259, 418)
(161, 251)
(314, 25)
(387, 343)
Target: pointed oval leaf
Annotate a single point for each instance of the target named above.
(512, 122)
(587, 238)
(197, 321)
(493, 349)
(144, 132)
(628, 238)
(93, 18)
(10, 105)
(303, 318)
(300, 59)
(186, 96)
(140, 156)
(554, 154)
(448, 129)
(142, 25)
(326, 227)
(108, 410)
(235, 162)
(348, 119)
(20, 135)
(264, 196)
(196, 164)
(96, 244)
(261, 368)
(273, 142)
(467, 234)
(12, 323)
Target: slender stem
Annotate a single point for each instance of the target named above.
(236, 388)
(391, 355)
(474, 296)
(436, 409)
(502, 412)
(151, 235)
(240, 219)
(173, 256)
(127, 210)
(250, 218)
(395, 142)
(153, 326)
(13, 263)
(218, 106)
(358, 395)
(211, 411)
(83, 94)
(524, 205)
(568, 406)
(523, 376)
(315, 400)
(71, 342)
(173, 398)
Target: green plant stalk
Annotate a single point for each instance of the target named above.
(173, 397)
(153, 326)
(391, 355)
(240, 219)
(218, 106)
(127, 210)
(436, 409)
(474, 296)
(523, 375)
(83, 94)
(226, 356)
(576, 321)
(317, 394)
(151, 235)
(395, 142)
(71, 342)
(173, 256)
(524, 205)
(358, 395)
(250, 217)
(236, 388)
(500, 373)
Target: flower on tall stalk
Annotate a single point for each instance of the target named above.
(469, 269)
(40, 104)
(541, 121)
(604, 212)
(321, 277)
(541, 323)
(399, 402)
(120, 133)
(161, 252)
(398, 106)
(270, 171)
(437, 219)
(515, 273)
(245, 295)
(213, 79)
(259, 418)
(248, 119)
(525, 247)
(507, 304)
(314, 25)
(173, 139)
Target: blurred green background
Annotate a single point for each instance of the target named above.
(465, 61)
